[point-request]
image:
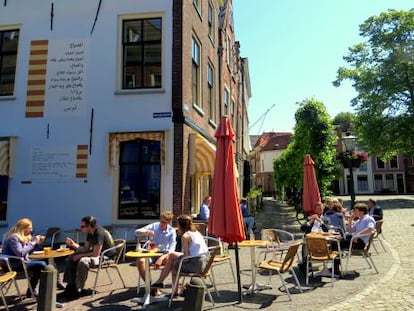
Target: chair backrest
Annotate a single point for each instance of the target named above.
(378, 227)
(318, 248)
(119, 248)
(201, 227)
(213, 252)
(270, 235)
(50, 235)
(290, 256)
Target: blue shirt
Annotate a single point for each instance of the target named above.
(204, 212)
(167, 238)
(245, 210)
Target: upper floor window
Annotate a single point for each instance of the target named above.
(226, 101)
(9, 40)
(211, 93)
(142, 53)
(197, 4)
(211, 21)
(195, 72)
(228, 51)
(394, 162)
(380, 163)
(233, 111)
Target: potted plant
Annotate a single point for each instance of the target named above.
(254, 196)
(356, 157)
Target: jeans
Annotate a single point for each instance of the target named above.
(35, 267)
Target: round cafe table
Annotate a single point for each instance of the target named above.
(147, 299)
(51, 255)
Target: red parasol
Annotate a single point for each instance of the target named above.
(310, 193)
(226, 220)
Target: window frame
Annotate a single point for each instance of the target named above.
(4, 53)
(196, 62)
(124, 42)
(211, 21)
(211, 93)
(226, 100)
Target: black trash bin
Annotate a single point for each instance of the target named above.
(194, 295)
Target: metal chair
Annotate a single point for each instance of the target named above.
(105, 264)
(284, 265)
(6, 278)
(365, 252)
(320, 249)
(378, 236)
(221, 258)
(202, 275)
(279, 242)
(6, 263)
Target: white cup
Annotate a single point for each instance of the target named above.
(63, 246)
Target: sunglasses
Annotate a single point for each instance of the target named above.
(84, 226)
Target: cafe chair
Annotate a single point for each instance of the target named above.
(221, 258)
(320, 249)
(378, 236)
(364, 253)
(50, 236)
(5, 263)
(278, 242)
(107, 264)
(285, 265)
(213, 251)
(6, 280)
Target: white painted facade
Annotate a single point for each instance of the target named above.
(62, 200)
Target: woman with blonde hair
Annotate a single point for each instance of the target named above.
(19, 242)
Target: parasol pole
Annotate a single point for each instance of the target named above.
(239, 287)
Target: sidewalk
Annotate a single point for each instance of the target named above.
(347, 292)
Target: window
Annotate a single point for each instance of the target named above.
(4, 183)
(389, 181)
(228, 51)
(211, 22)
(9, 40)
(139, 179)
(394, 162)
(226, 101)
(362, 181)
(378, 184)
(195, 73)
(380, 164)
(233, 116)
(211, 93)
(197, 5)
(142, 53)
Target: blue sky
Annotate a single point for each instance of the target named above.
(295, 48)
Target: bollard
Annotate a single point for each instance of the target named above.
(194, 295)
(47, 289)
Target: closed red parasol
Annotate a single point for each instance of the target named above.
(226, 220)
(310, 193)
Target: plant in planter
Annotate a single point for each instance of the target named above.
(356, 157)
(254, 196)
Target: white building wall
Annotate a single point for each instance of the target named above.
(59, 201)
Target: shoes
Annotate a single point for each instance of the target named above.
(60, 286)
(29, 293)
(70, 293)
(157, 285)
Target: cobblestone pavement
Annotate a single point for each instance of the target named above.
(362, 288)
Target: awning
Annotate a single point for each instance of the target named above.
(202, 155)
(116, 138)
(4, 157)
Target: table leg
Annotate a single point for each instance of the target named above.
(255, 286)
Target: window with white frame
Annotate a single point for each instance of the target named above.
(362, 182)
(389, 181)
(211, 93)
(380, 164)
(196, 72)
(142, 53)
(233, 116)
(226, 101)
(9, 41)
(197, 4)
(394, 162)
(211, 22)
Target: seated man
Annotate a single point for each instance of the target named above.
(164, 237)
(204, 214)
(86, 256)
(315, 222)
(247, 218)
(375, 210)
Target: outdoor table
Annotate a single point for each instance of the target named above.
(147, 299)
(52, 255)
(252, 244)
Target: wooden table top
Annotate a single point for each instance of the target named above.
(252, 243)
(323, 235)
(143, 254)
(52, 254)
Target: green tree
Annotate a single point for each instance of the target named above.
(345, 121)
(382, 71)
(313, 134)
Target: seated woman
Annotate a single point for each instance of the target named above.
(315, 223)
(335, 217)
(20, 243)
(193, 244)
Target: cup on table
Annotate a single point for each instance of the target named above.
(151, 245)
(46, 250)
(63, 246)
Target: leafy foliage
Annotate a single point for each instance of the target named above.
(382, 72)
(313, 134)
(345, 121)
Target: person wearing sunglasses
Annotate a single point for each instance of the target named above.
(87, 256)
